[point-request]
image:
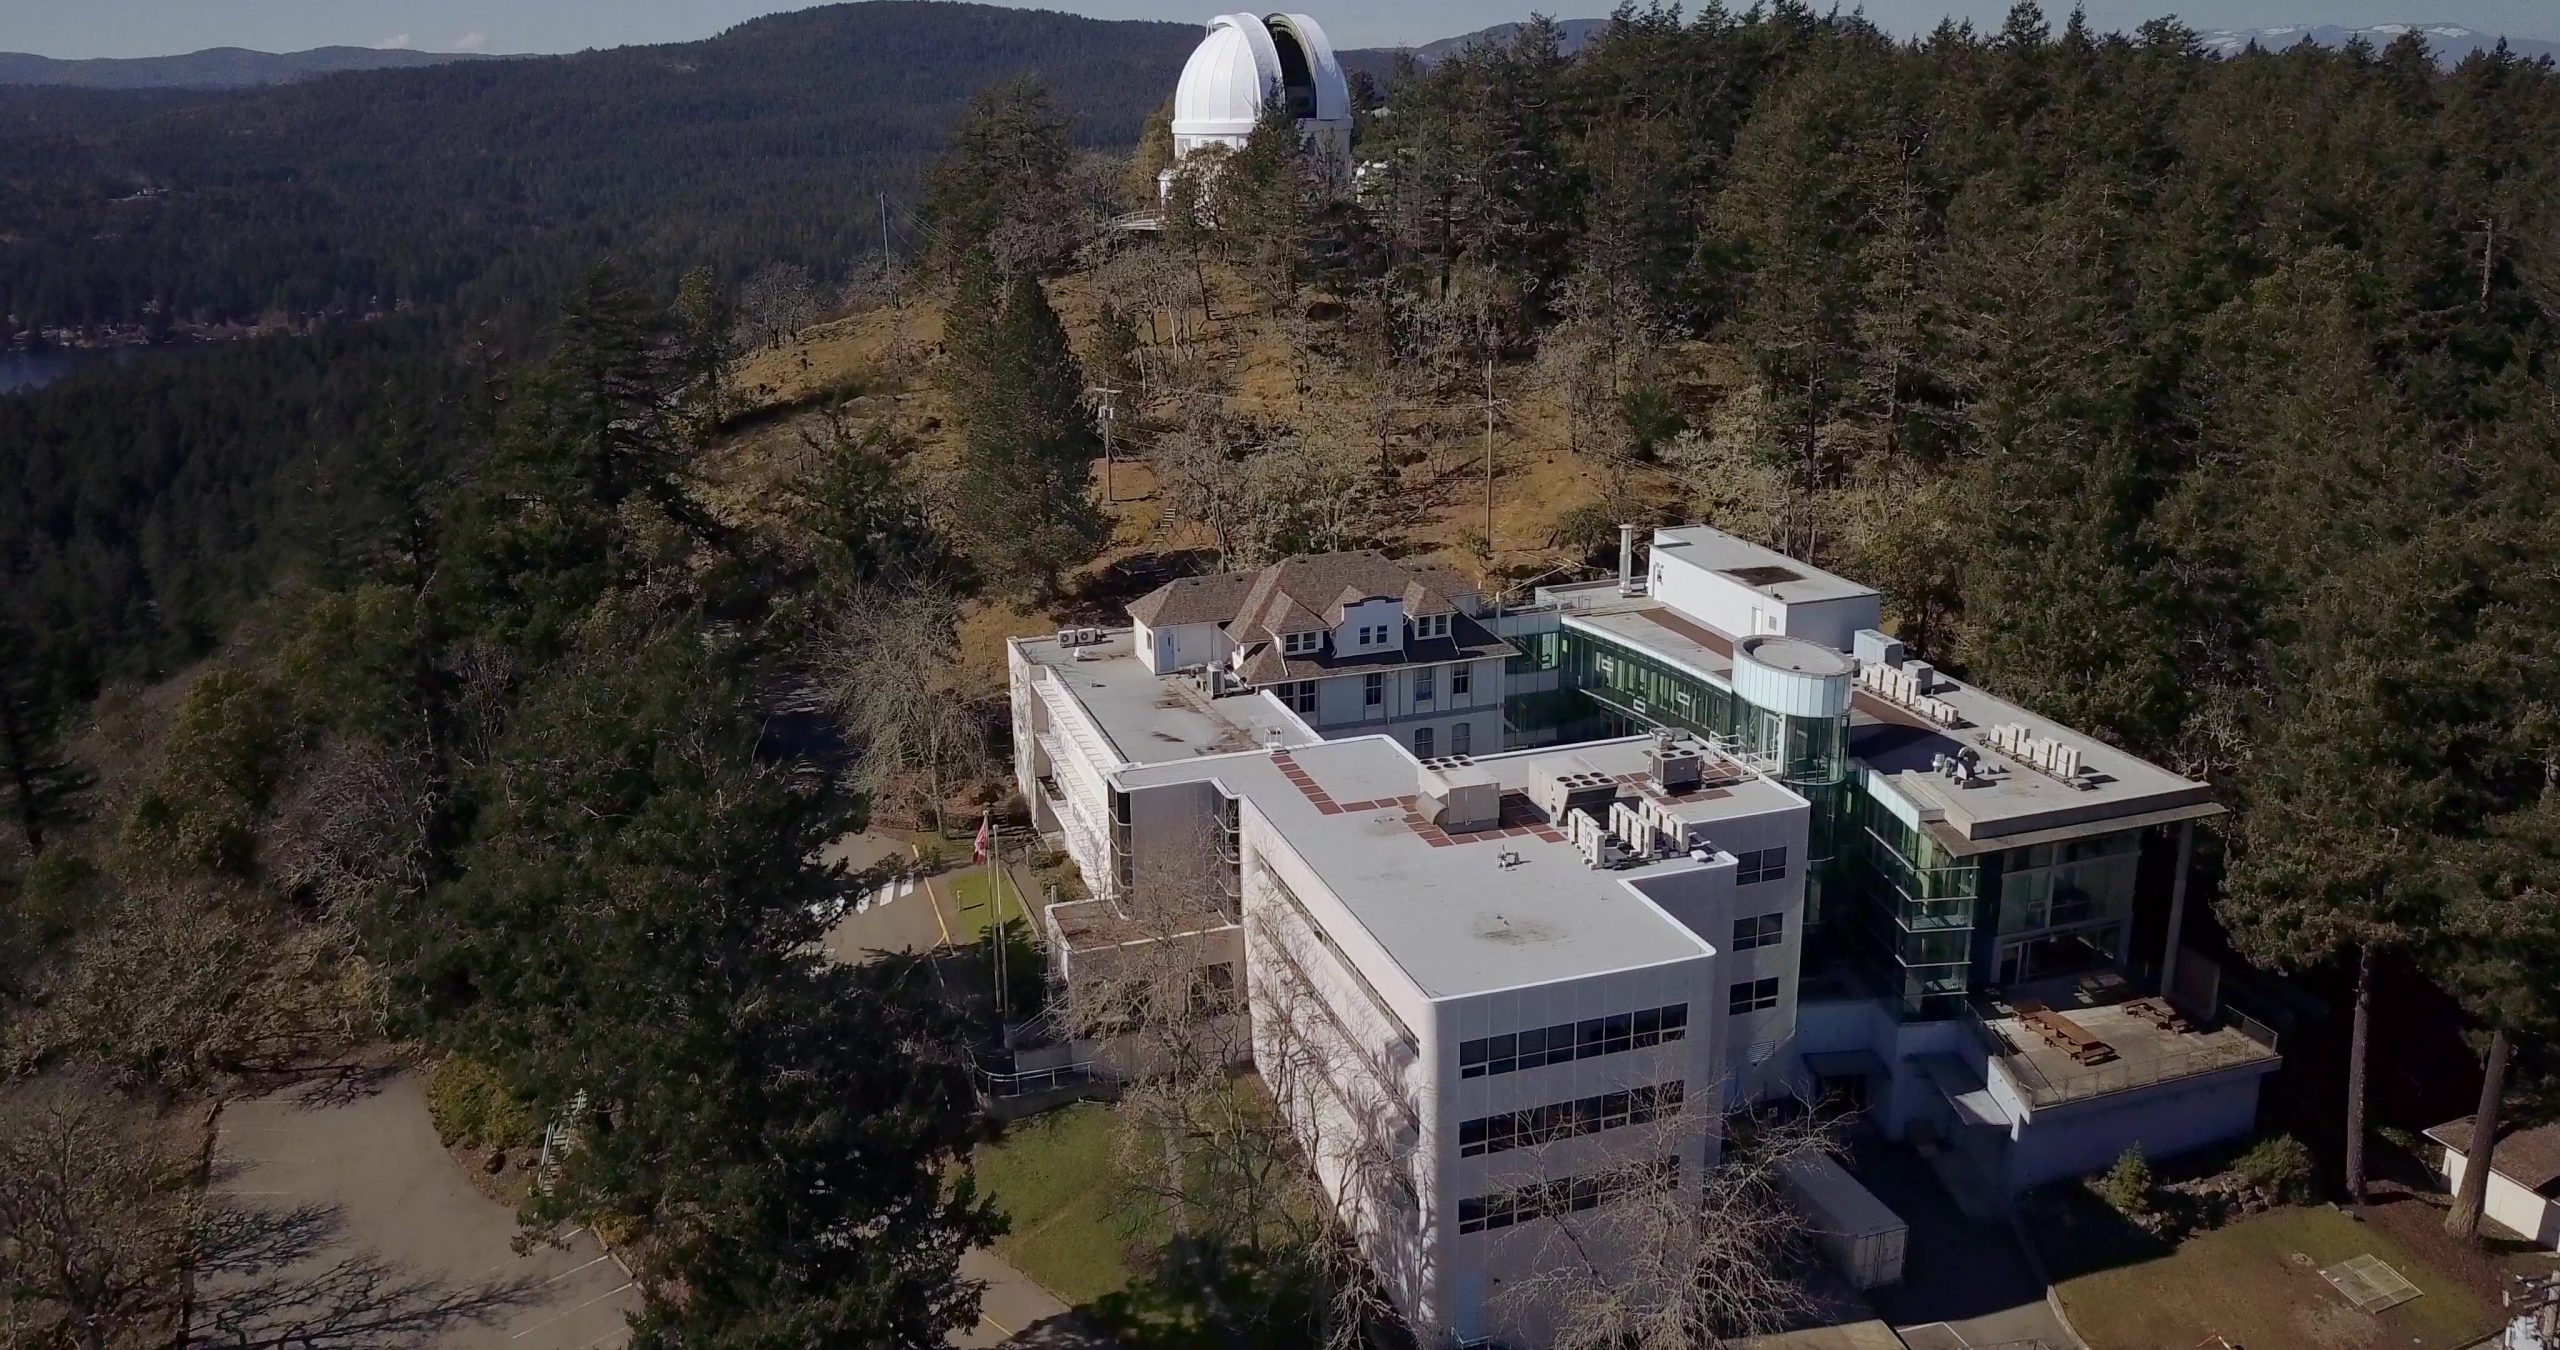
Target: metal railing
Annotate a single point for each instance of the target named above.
(1002, 1086)
(2041, 1088)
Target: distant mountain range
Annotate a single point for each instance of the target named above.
(240, 68)
(1576, 33)
(2449, 41)
(213, 68)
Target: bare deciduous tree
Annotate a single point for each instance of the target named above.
(351, 830)
(1671, 1257)
(774, 304)
(1204, 472)
(173, 984)
(1225, 1162)
(97, 1216)
(888, 663)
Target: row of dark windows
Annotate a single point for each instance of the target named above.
(1521, 1204)
(1462, 741)
(1534, 1125)
(1568, 1041)
(1764, 864)
(1759, 930)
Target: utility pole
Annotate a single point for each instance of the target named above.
(1107, 412)
(884, 233)
(1488, 471)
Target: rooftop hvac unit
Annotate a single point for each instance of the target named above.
(1875, 647)
(1067, 637)
(1677, 768)
(1460, 796)
(1559, 793)
(1924, 677)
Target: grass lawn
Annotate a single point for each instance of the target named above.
(2243, 1282)
(968, 890)
(1053, 1176)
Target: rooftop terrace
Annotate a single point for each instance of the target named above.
(2141, 1047)
(1467, 912)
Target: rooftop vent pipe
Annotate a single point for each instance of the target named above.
(1626, 560)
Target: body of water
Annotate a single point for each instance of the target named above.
(22, 371)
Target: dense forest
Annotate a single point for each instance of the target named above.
(2208, 405)
(139, 509)
(489, 182)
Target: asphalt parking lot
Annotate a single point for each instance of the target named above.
(346, 1224)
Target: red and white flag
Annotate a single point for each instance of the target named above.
(979, 853)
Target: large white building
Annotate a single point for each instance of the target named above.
(1703, 829)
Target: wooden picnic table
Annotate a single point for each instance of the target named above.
(2070, 1036)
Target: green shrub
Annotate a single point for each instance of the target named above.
(2127, 1185)
(2279, 1165)
(473, 1107)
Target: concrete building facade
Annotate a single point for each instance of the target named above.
(1705, 824)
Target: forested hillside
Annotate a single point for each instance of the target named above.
(485, 182)
(139, 509)
(214, 67)
(2206, 405)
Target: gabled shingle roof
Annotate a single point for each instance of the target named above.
(2527, 1155)
(1297, 595)
(1209, 599)
(1263, 663)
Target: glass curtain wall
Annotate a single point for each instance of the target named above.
(1920, 921)
(1624, 691)
(2066, 907)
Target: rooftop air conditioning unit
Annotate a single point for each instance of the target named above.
(1460, 796)
(1678, 768)
(1067, 637)
(1924, 677)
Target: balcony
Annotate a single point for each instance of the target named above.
(2144, 1053)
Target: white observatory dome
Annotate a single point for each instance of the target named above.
(1247, 60)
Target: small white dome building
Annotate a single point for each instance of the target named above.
(1248, 60)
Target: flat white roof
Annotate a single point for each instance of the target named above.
(1765, 570)
(1447, 908)
(1994, 812)
(1150, 719)
(2000, 811)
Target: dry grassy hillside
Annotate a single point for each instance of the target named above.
(880, 365)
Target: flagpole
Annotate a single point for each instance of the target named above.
(995, 907)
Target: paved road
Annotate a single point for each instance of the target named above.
(1964, 1281)
(1021, 1314)
(350, 1226)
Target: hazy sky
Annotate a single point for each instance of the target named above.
(159, 27)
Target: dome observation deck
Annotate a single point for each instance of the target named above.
(1245, 62)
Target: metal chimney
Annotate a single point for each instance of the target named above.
(1626, 560)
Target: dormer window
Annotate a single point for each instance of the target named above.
(1431, 626)
(1301, 644)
